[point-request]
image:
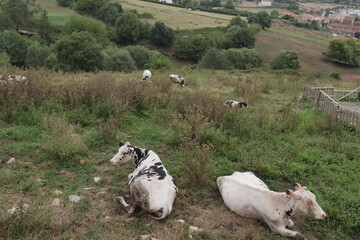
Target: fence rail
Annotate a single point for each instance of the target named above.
(322, 98)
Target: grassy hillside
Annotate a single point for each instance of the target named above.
(63, 128)
(57, 14)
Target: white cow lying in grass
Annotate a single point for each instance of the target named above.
(17, 78)
(248, 196)
(146, 75)
(152, 189)
(177, 79)
(233, 103)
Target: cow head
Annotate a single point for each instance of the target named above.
(306, 202)
(125, 154)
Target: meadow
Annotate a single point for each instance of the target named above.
(57, 14)
(63, 128)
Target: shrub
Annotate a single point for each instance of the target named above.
(161, 35)
(215, 59)
(36, 55)
(61, 141)
(140, 54)
(128, 28)
(4, 59)
(15, 46)
(110, 11)
(78, 52)
(89, 7)
(237, 21)
(117, 60)
(286, 59)
(244, 58)
(157, 61)
(240, 37)
(80, 24)
(65, 3)
(5, 22)
(192, 46)
(346, 51)
(336, 75)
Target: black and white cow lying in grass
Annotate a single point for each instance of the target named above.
(152, 189)
(12, 78)
(248, 196)
(177, 79)
(232, 103)
(146, 75)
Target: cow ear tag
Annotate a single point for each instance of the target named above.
(289, 193)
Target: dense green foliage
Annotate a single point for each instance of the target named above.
(117, 60)
(89, 7)
(19, 11)
(65, 3)
(192, 46)
(346, 51)
(4, 59)
(110, 11)
(5, 22)
(162, 35)
(15, 46)
(262, 18)
(78, 52)
(128, 28)
(157, 61)
(45, 27)
(140, 54)
(231, 59)
(36, 55)
(238, 37)
(95, 28)
(238, 22)
(286, 59)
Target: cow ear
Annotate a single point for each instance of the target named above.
(297, 186)
(127, 144)
(290, 193)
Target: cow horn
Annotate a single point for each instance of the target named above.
(297, 186)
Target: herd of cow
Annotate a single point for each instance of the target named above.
(153, 191)
(12, 78)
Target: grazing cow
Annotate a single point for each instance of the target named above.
(177, 79)
(152, 189)
(232, 103)
(2, 79)
(248, 196)
(146, 75)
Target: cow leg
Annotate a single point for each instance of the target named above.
(128, 208)
(289, 223)
(286, 232)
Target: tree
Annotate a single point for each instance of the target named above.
(89, 7)
(36, 55)
(274, 14)
(128, 28)
(357, 35)
(346, 51)
(157, 61)
(18, 11)
(140, 54)
(264, 19)
(117, 60)
(215, 59)
(65, 3)
(193, 46)
(95, 28)
(4, 59)
(229, 4)
(244, 58)
(216, 3)
(15, 46)
(5, 22)
(240, 38)
(78, 52)
(238, 22)
(45, 27)
(110, 12)
(162, 35)
(286, 59)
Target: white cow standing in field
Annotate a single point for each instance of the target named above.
(233, 103)
(152, 189)
(177, 79)
(248, 196)
(146, 75)
(17, 78)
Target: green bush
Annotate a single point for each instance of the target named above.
(336, 75)
(5, 22)
(62, 143)
(286, 59)
(15, 46)
(237, 21)
(36, 55)
(95, 28)
(215, 59)
(158, 61)
(78, 52)
(162, 35)
(346, 51)
(238, 37)
(192, 46)
(128, 28)
(89, 7)
(110, 11)
(117, 60)
(140, 54)
(4, 59)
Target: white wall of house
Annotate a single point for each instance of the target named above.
(264, 3)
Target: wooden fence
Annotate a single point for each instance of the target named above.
(322, 98)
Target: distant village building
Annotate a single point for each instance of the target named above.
(355, 12)
(265, 3)
(171, 1)
(348, 20)
(308, 18)
(347, 30)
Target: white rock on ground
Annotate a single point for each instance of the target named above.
(144, 237)
(13, 210)
(11, 161)
(97, 179)
(25, 206)
(182, 221)
(55, 203)
(74, 198)
(193, 229)
(58, 192)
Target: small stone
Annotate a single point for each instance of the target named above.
(25, 206)
(107, 218)
(58, 192)
(144, 237)
(55, 203)
(193, 229)
(82, 161)
(153, 238)
(13, 210)
(74, 198)
(11, 161)
(38, 180)
(97, 179)
(181, 221)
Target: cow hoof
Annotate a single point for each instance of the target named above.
(118, 199)
(299, 236)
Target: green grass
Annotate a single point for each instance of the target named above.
(57, 14)
(279, 137)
